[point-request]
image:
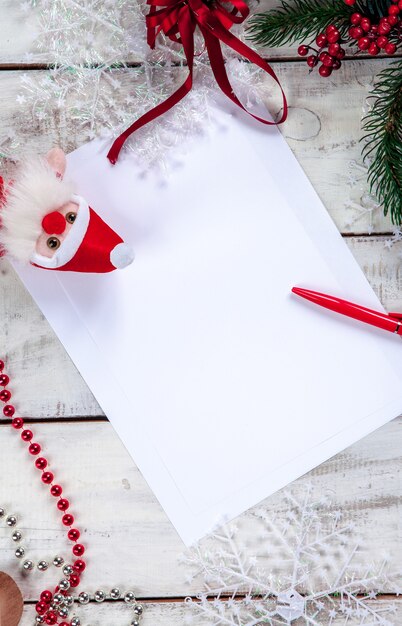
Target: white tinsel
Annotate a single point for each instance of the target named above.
(304, 567)
(90, 44)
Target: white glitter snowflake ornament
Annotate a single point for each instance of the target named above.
(104, 76)
(303, 568)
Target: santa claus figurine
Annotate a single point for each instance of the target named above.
(43, 222)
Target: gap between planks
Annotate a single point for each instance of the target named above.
(10, 67)
(181, 599)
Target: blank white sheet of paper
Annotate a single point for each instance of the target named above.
(222, 385)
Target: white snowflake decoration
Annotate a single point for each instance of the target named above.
(89, 44)
(305, 569)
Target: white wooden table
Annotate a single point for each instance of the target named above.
(132, 543)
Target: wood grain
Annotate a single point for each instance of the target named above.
(178, 614)
(130, 541)
(21, 28)
(323, 134)
(33, 349)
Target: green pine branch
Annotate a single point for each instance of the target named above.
(383, 141)
(298, 20)
(302, 20)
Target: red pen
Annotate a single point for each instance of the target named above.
(387, 321)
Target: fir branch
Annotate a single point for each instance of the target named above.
(383, 147)
(298, 20)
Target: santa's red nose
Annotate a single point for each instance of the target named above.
(54, 223)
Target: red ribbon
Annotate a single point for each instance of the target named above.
(178, 19)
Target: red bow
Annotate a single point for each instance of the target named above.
(178, 19)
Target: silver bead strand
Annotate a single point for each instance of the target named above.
(11, 521)
(42, 566)
(64, 584)
(2, 512)
(63, 612)
(16, 536)
(84, 597)
(58, 561)
(129, 598)
(100, 596)
(67, 570)
(28, 565)
(115, 593)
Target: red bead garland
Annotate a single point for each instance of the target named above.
(369, 37)
(43, 606)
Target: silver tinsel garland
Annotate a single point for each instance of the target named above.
(105, 75)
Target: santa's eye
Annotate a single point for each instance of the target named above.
(70, 217)
(53, 243)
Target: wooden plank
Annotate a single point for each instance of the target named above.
(177, 614)
(21, 26)
(131, 543)
(33, 350)
(323, 130)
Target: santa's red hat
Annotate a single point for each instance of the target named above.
(90, 246)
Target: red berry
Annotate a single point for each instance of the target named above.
(46, 596)
(333, 37)
(321, 40)
(355, 19)
(393, 9)
(327, 60)
(302, 51)
(67, 519)
(355, 32)
(341, 54)
(322, 56)
(26, 435)
(51, 618)
(1, 365)
(74, 580)
(17, 422)
(365, 24)
(41, 463)
(363, 43)
(336, 64)
(47, 477)
(5, 395)
(333, 49)
(384, 28)
(325, 71)
(373, 49)
(73, 534)
(63, 504)
(79, 565)
(390, 48)
(350, 3)
(34, 449)
(382, 41)
(4, 380)
(330, 29)
(312, 60)
(399, 5)
(393, 20)
(78, 549)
